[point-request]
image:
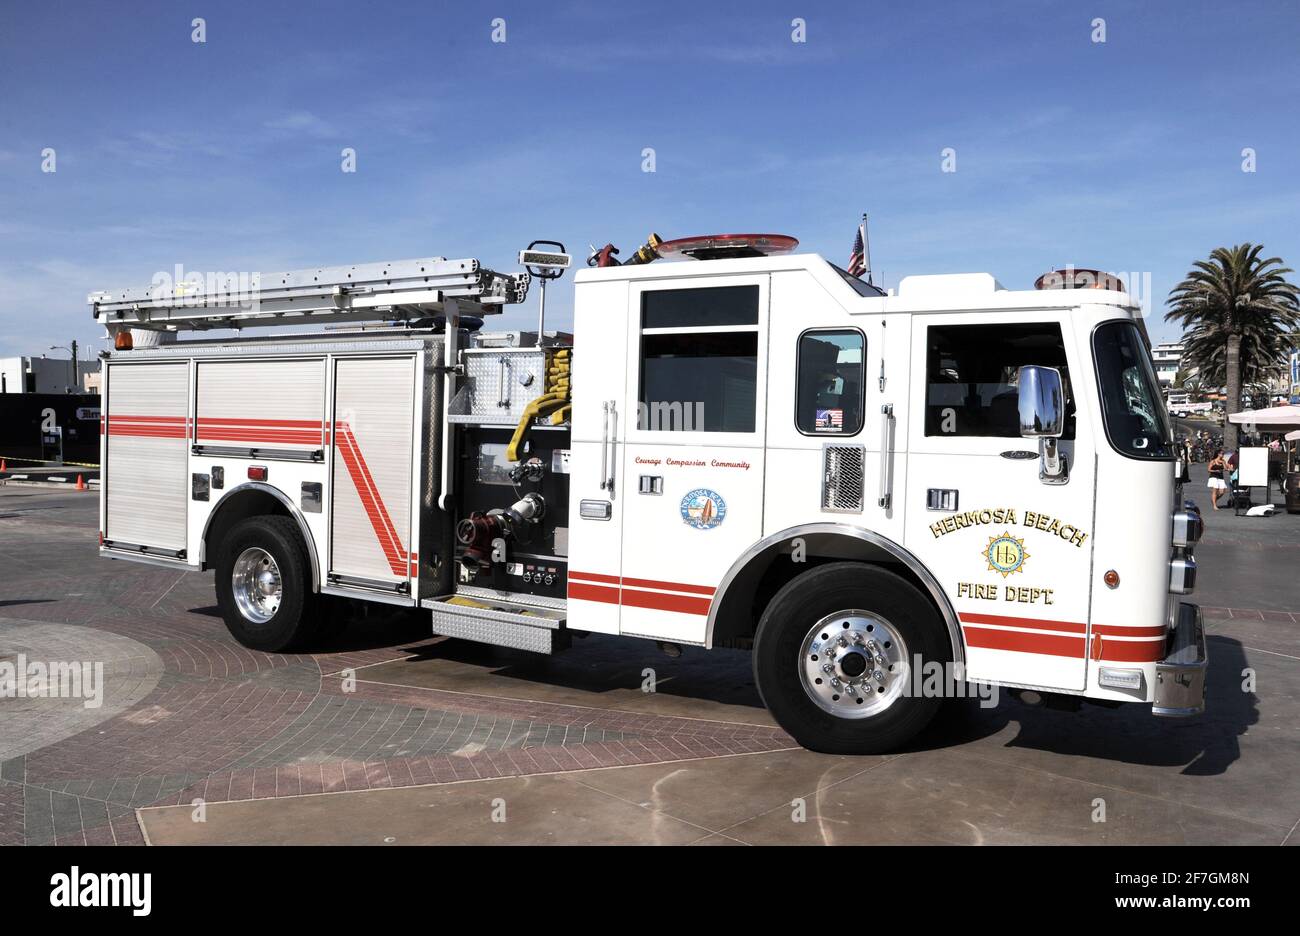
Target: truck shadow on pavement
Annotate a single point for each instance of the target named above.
(600, 665)
(1203, 745)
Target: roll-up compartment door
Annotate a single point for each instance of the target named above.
(265, 405)
(145, 485)
(373, 436)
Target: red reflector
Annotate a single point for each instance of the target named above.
(256, 472)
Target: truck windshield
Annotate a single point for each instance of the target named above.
(1136, 422)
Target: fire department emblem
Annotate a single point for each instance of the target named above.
(703, 509)
(1006, 554)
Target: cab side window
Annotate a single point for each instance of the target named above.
(830, 382)
(972, 372)
(699, 359)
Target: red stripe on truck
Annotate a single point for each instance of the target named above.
(638, 593)
(148, 427)
(371, 500)
(988, 638)
(1147, 647)
(283, 431)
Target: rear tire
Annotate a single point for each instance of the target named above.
(834, 654)
(264, 584)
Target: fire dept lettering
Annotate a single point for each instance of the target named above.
(999, 516)
(1014, 593)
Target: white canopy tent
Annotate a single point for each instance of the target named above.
(1273, 418)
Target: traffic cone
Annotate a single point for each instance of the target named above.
(81, 483)
(3, 466)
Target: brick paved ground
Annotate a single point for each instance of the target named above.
(201, 717)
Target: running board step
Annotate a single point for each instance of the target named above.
(500, 623)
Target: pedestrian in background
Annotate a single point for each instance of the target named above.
(1218, 466)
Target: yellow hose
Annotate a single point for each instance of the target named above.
(554, 401)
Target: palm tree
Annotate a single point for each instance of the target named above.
(1238, 312)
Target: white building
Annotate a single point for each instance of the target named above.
(45, 375)
(1168, 358)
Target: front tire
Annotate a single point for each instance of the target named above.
(264, 584)
(835, 653)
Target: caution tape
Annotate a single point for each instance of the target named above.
(46, 461)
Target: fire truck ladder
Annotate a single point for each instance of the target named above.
(403, 290)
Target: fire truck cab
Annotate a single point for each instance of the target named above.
(883, 497)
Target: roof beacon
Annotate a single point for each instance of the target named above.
(728, 246)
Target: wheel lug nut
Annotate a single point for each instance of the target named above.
(878, 676)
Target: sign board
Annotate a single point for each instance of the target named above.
(1252, 467)
(1295, 375)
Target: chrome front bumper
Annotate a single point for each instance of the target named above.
(1180, 676)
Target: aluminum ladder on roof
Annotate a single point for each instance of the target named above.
(396, 291)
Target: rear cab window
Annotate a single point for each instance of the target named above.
(699, 360)
(830, 382)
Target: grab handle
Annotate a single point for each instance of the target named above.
(886, 463)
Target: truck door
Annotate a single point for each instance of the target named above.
(596, 494)
(696, 378)
(1013, 553)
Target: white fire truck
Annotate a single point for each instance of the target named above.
(745, 449)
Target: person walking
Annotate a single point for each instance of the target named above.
(1184, 462)
(1218, 465)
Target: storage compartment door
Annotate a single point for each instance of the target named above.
(372, 439)
(269, 407)
(145, 485)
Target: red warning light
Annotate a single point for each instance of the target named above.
(728, 246)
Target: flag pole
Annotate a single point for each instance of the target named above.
(866, 250)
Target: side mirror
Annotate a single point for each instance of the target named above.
(1042, 417)
(1042, 403)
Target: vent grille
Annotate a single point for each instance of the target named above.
(842, 470)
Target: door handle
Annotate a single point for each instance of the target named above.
(608, 443)
(613, 448)
(604, 443)
(886, 463)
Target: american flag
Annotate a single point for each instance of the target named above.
(829, 419)
(858, 258)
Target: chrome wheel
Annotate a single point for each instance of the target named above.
(256, 584)
(853, 664)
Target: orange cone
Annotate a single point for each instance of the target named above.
(81, 483)
(3, 466)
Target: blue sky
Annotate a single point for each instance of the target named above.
(1123, 155)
